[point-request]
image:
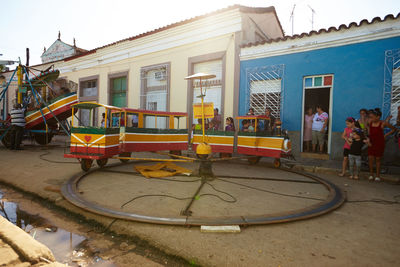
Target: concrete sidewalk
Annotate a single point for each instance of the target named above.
(389, 173)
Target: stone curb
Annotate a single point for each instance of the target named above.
(30, 249)
(326, 170)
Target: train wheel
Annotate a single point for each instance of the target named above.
(101, 162)
(277, 163)
(43, 139)
(175, 152)
(86, 164)
(225, 155)
(254, 160)
(6, 139)
(125, 154)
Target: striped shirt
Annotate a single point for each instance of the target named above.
(18, 117)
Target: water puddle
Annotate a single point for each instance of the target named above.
(68, 248)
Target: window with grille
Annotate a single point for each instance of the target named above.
(88, 91)
(395, 101)
(88, 88)
(212, 87)
(118, 92)
(266, 94)
(155, 82)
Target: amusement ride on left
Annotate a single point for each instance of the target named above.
(46, 109)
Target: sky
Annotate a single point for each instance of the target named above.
(94, 23)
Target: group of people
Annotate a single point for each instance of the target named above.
(315, 127)
(248, 125)
(365, 134)
(213, 124)
(265, 125)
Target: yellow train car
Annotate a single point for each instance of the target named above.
(148, 130)
(260, 143)
(91, 140)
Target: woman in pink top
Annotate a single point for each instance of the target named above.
(307, 137)
(346, 135)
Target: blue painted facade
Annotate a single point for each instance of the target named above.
(358, 70)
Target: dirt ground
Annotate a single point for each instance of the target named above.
(358, 234)
(71, 241)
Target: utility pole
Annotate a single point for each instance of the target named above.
(292, 17)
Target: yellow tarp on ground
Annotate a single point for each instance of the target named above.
(165, 169)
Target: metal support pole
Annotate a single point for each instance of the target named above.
(202, 111)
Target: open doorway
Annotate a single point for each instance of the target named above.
(317, 92)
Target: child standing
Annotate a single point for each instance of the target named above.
(356, 144)
(230, 125)
(346, 135)
(245, 125)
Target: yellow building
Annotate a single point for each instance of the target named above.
(147, 71)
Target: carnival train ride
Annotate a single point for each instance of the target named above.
(47, 109)
(123, 131)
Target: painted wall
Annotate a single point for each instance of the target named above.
(358, 71)
(178, 58)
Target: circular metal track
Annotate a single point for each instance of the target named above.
(334, 200)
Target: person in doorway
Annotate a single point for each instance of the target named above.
(17, 126)
(377, 139)
(269, 124)
(216, 121)
(347, 136)
(307, 138)
(319, 127)
(230, 125)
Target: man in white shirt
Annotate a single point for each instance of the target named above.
(319, 127)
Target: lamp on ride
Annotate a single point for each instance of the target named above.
(203, 150)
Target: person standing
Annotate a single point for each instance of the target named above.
(216, 121)
(269, 124)
(251, 112)
(346, 135)
(377, 140)
(363, 120)
(308, 119)
(230, 125)
(319, 127)
(17, 126)
(103, 119)
(356, 143)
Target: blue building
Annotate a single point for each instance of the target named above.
(343, 69)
